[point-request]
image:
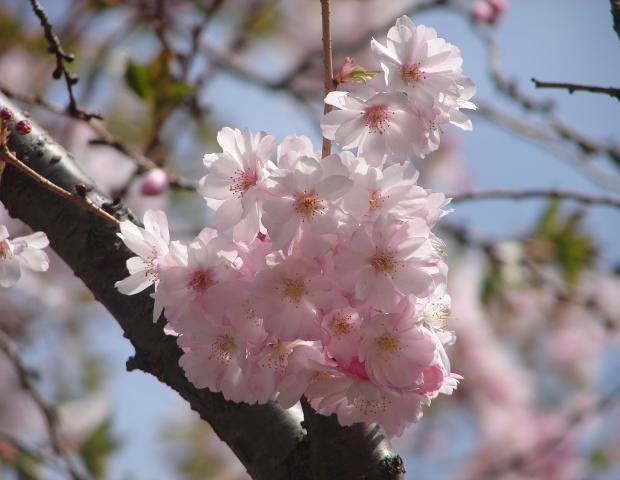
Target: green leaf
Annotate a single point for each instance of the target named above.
(137, 78)
(561, 240)
(96, 448)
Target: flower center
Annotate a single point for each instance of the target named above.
(294, 290)
(411, 74)
(437, 313)
(307, 204)
(375, 201)
(152, 265)
(223, 348)
(387, 344)
(5, 250)
(243, 181)
(339, 325)
(383, 262)
(277, 357)
(371, 406)
(200, 281)
(377, 118)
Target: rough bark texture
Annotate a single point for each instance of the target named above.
(268, 440)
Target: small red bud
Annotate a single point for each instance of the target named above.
(23, 127)
(6, 114)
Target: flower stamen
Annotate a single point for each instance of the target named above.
(377, 118)
(243, 181)
(294, 290)
(308, 204)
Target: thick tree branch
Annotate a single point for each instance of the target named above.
(577, 87)
(268, 440)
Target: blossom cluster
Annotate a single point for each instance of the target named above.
(400, 114)
(321, 276)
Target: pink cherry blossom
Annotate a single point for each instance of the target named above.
(214, 358)
(152, 246)
(376, 123)
(342, 334)
(354, 399)
(21, 252)
(235, 182)
(384, 257)
(303, 206)
(418, 62)
(398, 352)
(183, 286)
(290, 296)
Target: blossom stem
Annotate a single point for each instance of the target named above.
(81, 200)
(327, 65)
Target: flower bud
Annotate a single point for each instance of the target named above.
(154, 182)
(350, 71)
(6, 114)
(23, 127)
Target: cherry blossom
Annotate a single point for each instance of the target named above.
(322, 277)
(152, 246)
(384, 259)
(376, 123)
(234, 184)
(21, 252)
(425, 66)
(305, 208)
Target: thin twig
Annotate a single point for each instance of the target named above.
(78, 198)
(577, 87)
(497, 193)
(56, 49)
(328, 73)
(143, 162)
(49, 414)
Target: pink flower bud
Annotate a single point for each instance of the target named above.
(499, 6)
(154, 182)
(349, 71)
(488, 11)
(6, 114)
(483, 11)
(23, 127)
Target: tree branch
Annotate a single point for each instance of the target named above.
(49, 413)
(615, 14)
(577, 87)
(56, 49)
(269, 441)
(506, 193)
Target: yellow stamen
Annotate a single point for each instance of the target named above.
(294, 290)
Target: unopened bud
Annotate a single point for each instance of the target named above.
(154, 182)
(488, 11)
(23, 127)
(350, 71)
(6, 114)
